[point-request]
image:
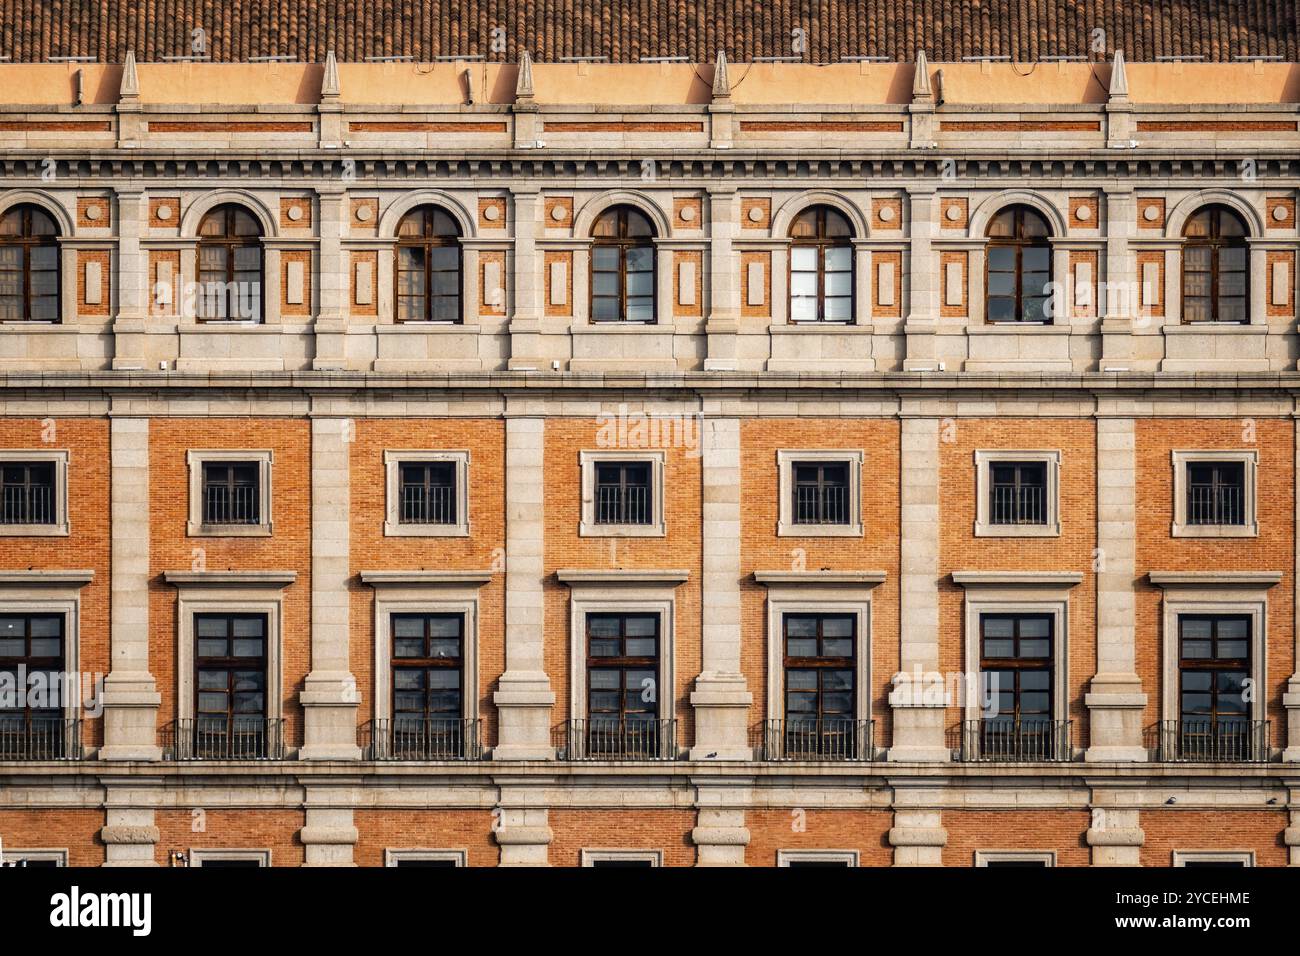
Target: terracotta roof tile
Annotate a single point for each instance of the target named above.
(625, 30)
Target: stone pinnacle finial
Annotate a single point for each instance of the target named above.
(524, 84)
(1118, 78)
(921, 89)
(130, 88)
(330, 86)
(721, 77)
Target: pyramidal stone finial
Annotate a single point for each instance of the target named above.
(921, 89)
(721, 77)
(330, 86)
(130, 88)
(1118, 78)
(524, 84)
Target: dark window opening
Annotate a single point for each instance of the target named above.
(821, 493)
(32, 724)
(230, 265)
(1216, 257)
(29, 266)
(820, 684)
(231, 493)
(623, 267)
(1216, 493)
(1018, 271)
(230, 686)
(1018, 492)
(622, 684)
(623, 493)
(428, 492)
(27, 493)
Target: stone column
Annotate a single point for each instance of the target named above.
(332, 275)
(921, 282)
(526, 319)
(1116, 304)
(918, 709)
(132, 281)
(329, 834)
(723, 322)
(917, 836)
(131, 697)
(1115, 700)
(329, 696)
(524, 699)
(721, 699)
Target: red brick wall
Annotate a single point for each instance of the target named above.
(1060, 830)
(666, 830)
(798, 828)
(380, 830)
(1169, 830)
(241, 829)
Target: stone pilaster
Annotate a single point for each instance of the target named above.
(918, 835)
(332, 280)
(526, 319)
(132, 281)
(1115, 700)
(131, 697)
(721, 699)
(921, 282)
(723, 282)
(1115, 836)
(328, 834)
(524, 698)
(918, 709)
(329, 696)
(1291, 835)
(524, 835)
(720, 837)
(1117, 303)
(129, 833)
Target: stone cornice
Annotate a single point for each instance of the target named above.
(837, 578)
(1216, 580)
(617, 576)
(424, 578)
(1017, 579)
(231, 579)
(47, 578)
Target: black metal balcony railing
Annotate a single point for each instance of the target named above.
(408, 738)
(226, 504)
(1011, 741)
(1209, 741)
(40, 738)
(1214, 504)
(27, 504)
(625, 504)
(1023, 504)
(244, 738)
(811, 739)
(428, 504)
(827, 504)
(610, 739)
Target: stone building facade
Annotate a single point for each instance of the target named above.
(521, 379)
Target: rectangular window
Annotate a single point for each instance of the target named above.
(1018, 492)
(427, 680)
(821, 493)
(32, 725)
(231, 494)
(428, 492)
(1016, 662)
(623, 493)
(230, 686)
(1213, 667)
(1216, 493)
(820, 666)
(622, 685)
(27, 493)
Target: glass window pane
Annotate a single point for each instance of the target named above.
(839, 259)
(803, 258)
(839, 308)
(803, 308)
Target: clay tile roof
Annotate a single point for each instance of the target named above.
(625, 30)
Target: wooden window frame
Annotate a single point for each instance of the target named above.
(1019, 243)
(230, 664)
(1214, 664)
(26, 241)
(427, 242)
(1017, 664)
(426, 663)
(623, 242)
(1215, 242)
(624, 663)
(822, 242)
(820, 662)
(230, 242)
(33, 665)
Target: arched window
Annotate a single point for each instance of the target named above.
(428, 266)
(1017, 280)
(29, 265)
(1214, 267)
(821, 266)
(623, 267)
(230, 265)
